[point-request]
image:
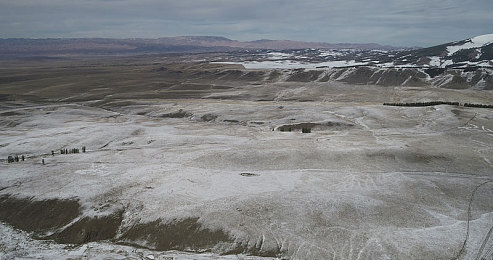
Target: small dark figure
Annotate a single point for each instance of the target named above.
(22, 157)
(62, 151)
(10, 159)
(16, 158)
(52, 153)
(83, 149)
(43, 161)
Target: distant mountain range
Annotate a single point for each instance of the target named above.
(182, 44)
(459, 65)
(473, 52)
(463, 64)
(476, 51)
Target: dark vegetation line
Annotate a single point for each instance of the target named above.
(436, 103)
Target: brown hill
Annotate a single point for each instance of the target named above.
(182, 44)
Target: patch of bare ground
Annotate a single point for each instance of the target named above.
(35, 215)
(57, 219)
(89, 229)
(61, 221)
(179, 234)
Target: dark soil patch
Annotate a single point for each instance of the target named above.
(183, 234)
(248, 174)
(53, 215)
(409, 157)
(32, 215)
(310, 126)
(433, 72)
(208, 117)
(90, 229)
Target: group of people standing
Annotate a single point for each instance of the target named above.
(12, 159)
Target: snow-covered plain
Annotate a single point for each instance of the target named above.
(374, 183)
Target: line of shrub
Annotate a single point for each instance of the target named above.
(436, 103)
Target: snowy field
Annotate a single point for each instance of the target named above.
(368, 182)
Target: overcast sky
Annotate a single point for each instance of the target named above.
(392, 22)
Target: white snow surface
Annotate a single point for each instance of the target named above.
(361, 190)
(435, 61)
(332, 53)
(478, 41)
(278, 55)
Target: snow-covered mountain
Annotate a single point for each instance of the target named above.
(473, 52)
(459, 65)
(476, 51)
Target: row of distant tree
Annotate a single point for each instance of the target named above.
(435, 103)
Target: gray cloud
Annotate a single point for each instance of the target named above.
(397, 22)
